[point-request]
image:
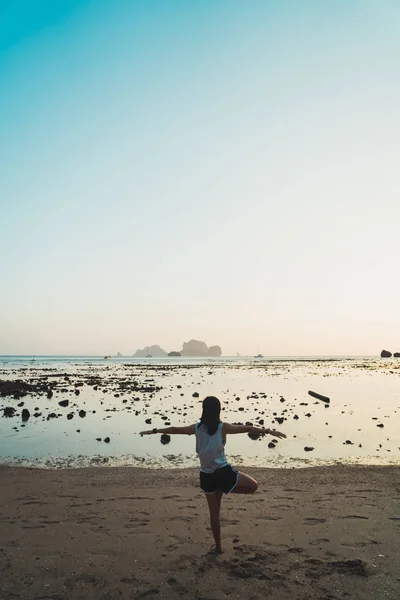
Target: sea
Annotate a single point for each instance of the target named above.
(359, 424)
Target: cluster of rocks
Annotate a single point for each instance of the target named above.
(139, 385)
(387, 354)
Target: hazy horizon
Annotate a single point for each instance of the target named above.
(212, 170)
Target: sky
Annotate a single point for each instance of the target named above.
(216, 169)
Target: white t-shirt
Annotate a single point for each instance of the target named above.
(210, 449)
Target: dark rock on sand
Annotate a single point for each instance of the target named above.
(107, 440)
(386, 354)
(14, 388)
(25, 414)
(9, 411)
(396, 354)
(49, 393)
(82, 413)
(165, 438)
(271, 445)
(63, 403)
(70, 416)
(195, 394)
(380, 425)
(148, 421)
(308, 448)
(319, 397)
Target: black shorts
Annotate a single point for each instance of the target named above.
(224, 479)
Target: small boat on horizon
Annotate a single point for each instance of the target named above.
(107, 357)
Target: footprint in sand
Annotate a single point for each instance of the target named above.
(314, 520)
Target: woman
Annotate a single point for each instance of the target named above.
(217, 476)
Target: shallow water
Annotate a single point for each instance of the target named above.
(364, 393)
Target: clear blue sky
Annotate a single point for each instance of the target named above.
(216, 169)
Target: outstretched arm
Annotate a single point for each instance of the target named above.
(189, 430)
(228, 428)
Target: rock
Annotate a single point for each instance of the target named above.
(70, 416)
(348, 442)
(63, 403)
(380, 425)
(9, 411)
(25, 414)
(20, 404)
(279, 420)
(148, 421)
(51, 416)
(254, 436)
(195, 394)
(396, 354)
(49, 393)
(296, 417)
(165, 438)
(107, 440)
(82, 413)
(319, 397)
(308, 448)
(271, 445)
(386, 354)
(98, 439)
(15, 388)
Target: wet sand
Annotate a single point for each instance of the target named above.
(107, 533)
(82, 415)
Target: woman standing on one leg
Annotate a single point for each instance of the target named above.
(217, 476)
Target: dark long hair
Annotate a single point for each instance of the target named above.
(210, 415)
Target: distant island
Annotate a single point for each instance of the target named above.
(197, 348)
(190, 348)
(155, 351)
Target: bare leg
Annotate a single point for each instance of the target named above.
(245, 485)
(214, 504)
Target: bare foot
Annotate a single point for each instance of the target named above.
(215, 550)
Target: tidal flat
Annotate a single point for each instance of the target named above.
(85, 413)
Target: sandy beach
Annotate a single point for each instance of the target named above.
(106, 533)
